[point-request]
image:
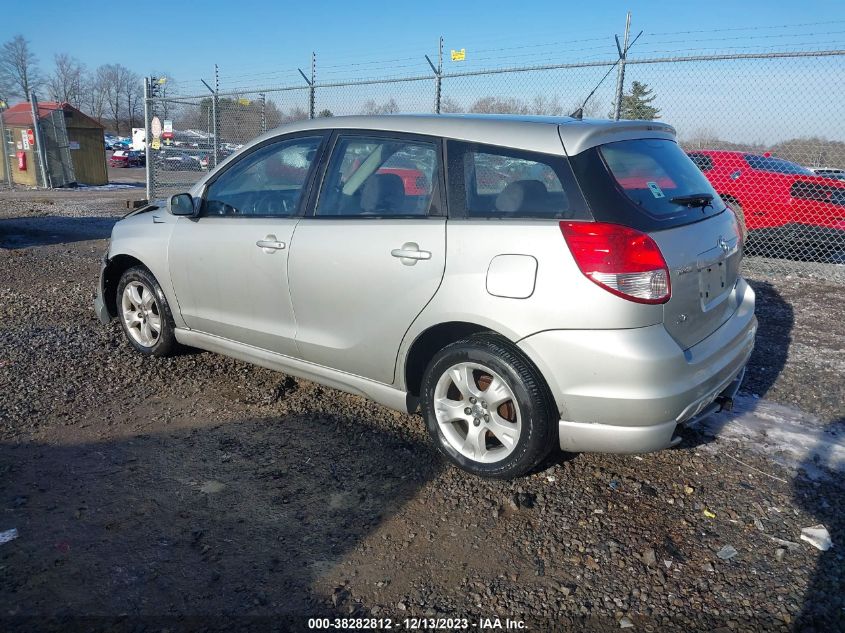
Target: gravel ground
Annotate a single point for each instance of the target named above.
(201, 492)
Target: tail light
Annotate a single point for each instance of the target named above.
(739, 228)
(620, 260)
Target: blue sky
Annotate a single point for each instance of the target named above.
(260, 44)
(250, 38)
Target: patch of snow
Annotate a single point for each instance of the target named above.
(112, 186)
(791, 437)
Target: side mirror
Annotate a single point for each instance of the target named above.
(181, 204)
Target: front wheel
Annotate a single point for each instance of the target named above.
(144, 314)
(487, 408)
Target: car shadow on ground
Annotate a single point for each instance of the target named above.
(244, 536)
(823, 608)
(48, 230)
(823, 605)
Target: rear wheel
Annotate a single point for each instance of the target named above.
(487, 408)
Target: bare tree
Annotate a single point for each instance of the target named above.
(66, 81)
(448, 104)
(545, 105)
(94, 93)
(702, 137)
(295, 114)
(117, 80)
(19, 71)
(499, 105)
(134, 99)
(388, 107)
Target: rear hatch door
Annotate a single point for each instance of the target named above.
(703, 260)
(651, 185)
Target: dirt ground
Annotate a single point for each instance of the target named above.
(202, 493)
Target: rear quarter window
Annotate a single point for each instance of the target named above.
(638, 183)
(487, 181)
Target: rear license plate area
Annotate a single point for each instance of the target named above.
(712, 283)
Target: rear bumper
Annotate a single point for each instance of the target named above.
(626, 391)
(609, 438)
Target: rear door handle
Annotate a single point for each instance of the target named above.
(410, 253)
(270, 244)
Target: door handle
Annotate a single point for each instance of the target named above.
(410, 253)
(270, 244)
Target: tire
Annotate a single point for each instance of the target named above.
(144, 314)
(513, 432)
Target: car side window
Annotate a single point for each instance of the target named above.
(379, 177)
(267, 182)
(489, 181)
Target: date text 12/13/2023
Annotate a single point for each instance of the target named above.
(417, 624)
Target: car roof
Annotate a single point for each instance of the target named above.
(511, 130)
(527, 132)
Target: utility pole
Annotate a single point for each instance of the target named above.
(620, 72)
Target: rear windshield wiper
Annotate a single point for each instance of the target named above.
(694, 200)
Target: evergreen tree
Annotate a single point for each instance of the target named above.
(637, 103)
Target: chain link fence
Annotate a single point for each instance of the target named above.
(766, 128)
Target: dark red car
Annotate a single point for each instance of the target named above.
(779, 201)
(127, 158)
(415, 182)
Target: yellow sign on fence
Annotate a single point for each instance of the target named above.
(459, 56)
(243, 102)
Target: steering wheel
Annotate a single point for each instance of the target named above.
(271, 203)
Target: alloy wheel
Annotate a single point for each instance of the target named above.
(140, 313)
(477, 412)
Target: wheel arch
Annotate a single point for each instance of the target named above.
(114, 270)
(428, 343)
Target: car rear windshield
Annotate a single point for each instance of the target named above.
(647, 184)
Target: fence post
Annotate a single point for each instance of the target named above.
(438, 72)
(7, 167)
(438, 82)
(620, 73)
(214, 109)
(312, 99)
(263, 112)
(148, 155)
(39, 143)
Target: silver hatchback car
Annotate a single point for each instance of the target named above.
(523, 282)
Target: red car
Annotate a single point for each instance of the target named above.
(416, 183)
(127, 158)
(786, 208)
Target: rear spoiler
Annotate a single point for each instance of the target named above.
(576, 137)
